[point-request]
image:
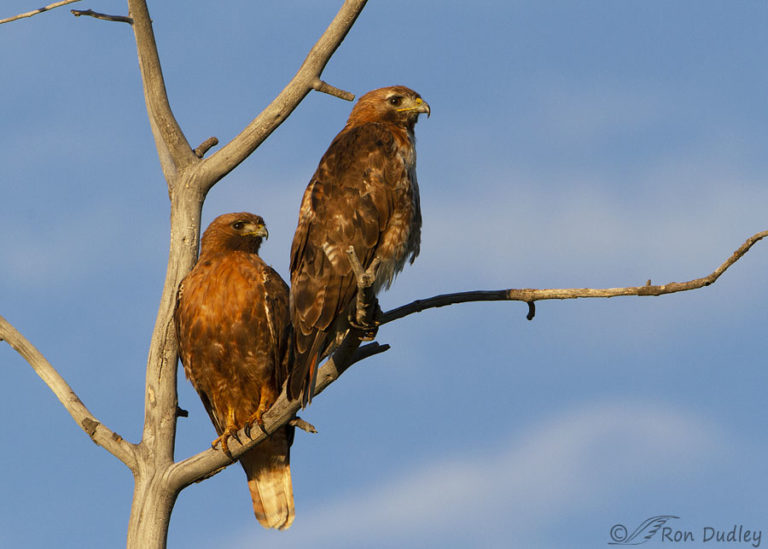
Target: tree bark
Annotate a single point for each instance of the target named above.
(153, 502)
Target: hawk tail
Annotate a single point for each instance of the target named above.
(267, 467)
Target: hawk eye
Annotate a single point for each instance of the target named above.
(237, 225)
(395, 100)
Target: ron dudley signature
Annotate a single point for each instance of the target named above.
(656, 529)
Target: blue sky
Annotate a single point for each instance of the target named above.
(589, 144)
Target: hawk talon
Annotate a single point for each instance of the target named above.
(255, 418)
(223, 440)
(368, 330)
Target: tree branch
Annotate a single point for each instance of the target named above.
(205, 146)
(101, 435)
(324, 87)
(38, 10)
(102, 16)
(306, 79)
(211, 461)
(529, 295)
(174, 150)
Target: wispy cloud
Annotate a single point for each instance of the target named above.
(582, 227)
(561, 463)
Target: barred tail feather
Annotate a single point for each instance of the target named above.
(267, 467)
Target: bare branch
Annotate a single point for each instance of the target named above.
(102, 16)
(209, 462)
(367, 351)
(38, 10)
(205, 146)
(303, 425)
(305, 80)
(101, 435)
(530, 295)
(174, 150)
(324, 87)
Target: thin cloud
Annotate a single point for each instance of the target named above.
(561, 463)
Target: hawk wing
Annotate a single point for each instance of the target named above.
(364, 195)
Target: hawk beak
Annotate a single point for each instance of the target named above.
(419, 105)
(422, 107)
(261, 230)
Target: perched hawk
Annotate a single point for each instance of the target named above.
(233, 327)
(363, 194)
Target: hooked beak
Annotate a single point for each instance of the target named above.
(261, 230)
(422, 107)
(419, 105)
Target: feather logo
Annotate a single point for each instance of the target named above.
(647, 529)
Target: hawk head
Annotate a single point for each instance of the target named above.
(395, 104)
(234, 231)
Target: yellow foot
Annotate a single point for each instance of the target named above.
(230, 431)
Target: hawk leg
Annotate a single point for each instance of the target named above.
(366, 307)
(366, 323)
(266, 400)
(230, 431)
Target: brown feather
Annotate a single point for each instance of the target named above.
(364, 194)
(233, 326)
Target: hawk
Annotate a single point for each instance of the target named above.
(364, 194)
(233, 328)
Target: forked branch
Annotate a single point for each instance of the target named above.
(172, 146)
(101, 435)
(306, 79)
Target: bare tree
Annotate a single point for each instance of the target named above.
(190, 175)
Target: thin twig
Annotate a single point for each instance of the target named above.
(324, 87)
(39, 10)
(205, 146)
(102, 16)
(101, 435)
(530, 295)
(303, 425)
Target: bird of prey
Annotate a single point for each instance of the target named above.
(233, 328)
(364, 194)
